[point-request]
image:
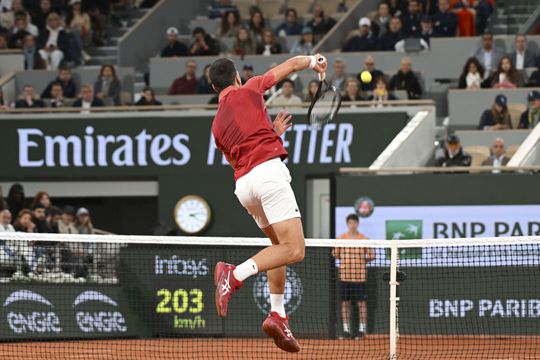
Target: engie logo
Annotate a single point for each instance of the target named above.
(182, 267)
(94, 318)
(26, 318)
(293, 292)
(405, 230)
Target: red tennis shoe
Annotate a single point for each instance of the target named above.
(278, 328)
(226, 285)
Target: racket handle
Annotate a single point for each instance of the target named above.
(322, 76)
(321, 60)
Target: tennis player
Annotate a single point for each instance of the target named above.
(251, 143)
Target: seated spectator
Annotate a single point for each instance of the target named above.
(256, 25)
(65, 79)
(506, 75)
(287, 96)
(39, 218)
(313, 86)
(204, 85)
(66, 224)
(57, 96)
(42, 198)
(498, 156)
(453, 154)
(483, 10)
(53, 42)
(498, 117)
(4, 41)
(87, 100)
(186, 84)
(5, 221)
(53, 215)
(174, 47)
(203, 44)
(83, 222)
(29, 99)
(3, 202)
(76, 258)
(389, 39)
(291, 25)
(488, 55)
(427, 29)
(19, 32)
(531, 117)
(445, 22)
(244, 44)
(99, 12)
(411, 20)
(219, 7)
(381, 21)
(472, 76)
(522, 57)
(406, 79)
(352, 91)
(412, 44)
(107, 86)
(25, 23)
(24, 223)
(32, 57)
(16, 199)
(369, 65)
(534, 79)
(396, 7)
(466, 21)
(305, 45)
(248, 73)
(365, 40)
(230, 24)
(80, 27)
(148, 98)
(381, 92)
(321, 23)
(268, 46)
(339, 77)
(39, 17)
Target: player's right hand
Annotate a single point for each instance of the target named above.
(321, 66)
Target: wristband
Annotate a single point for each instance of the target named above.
(312, 61)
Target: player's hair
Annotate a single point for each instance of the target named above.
(352, 217)
(222, 73)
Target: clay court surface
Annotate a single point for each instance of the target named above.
(372, 347)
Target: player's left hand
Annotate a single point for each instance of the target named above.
(282, 122)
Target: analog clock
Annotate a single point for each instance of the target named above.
(192, 214)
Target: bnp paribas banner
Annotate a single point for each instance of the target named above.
(435, 222)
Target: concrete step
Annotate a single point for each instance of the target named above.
(138, 87)
(101, 60)
(103, 51)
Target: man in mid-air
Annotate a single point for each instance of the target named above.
(251, 143)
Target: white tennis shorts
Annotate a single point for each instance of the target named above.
(266, 193)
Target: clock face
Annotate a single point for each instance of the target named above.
(192, 214)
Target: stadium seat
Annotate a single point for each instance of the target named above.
(511, 150)
(270, 8)
(244, 6)
(478, 153)
(301, 6)
(515, 111)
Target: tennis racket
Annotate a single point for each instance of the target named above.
(326, 102)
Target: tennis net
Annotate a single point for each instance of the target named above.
(135, 297)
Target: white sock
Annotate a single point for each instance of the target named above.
(346, 327)
(362, 327)
(245, 270)
(276, 304)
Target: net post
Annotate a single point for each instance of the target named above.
(393, 299)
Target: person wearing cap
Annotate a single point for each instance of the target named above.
(411, 20)
(304, 46)
(83, 223)
(290, 26)
(498, 117)
(445, 22)
(388, 41)
(66, 224)
(203, 44)
(531, 117)
(174, 47)
(364, 41)
(498, 156)
(453, 154)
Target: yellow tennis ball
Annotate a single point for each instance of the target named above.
(365, 76)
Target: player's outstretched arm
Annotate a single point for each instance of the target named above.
(299, 63)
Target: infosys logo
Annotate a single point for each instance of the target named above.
(106, 321)
(174, 265)
(23, 322)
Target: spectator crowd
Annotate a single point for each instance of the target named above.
(43, 260)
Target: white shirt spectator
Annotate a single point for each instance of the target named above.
(497, 163)
(520, 60)
(5, 4)
(282, 100)
(7, 228)
(86, 105)
(487, 60)
(473, 80)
